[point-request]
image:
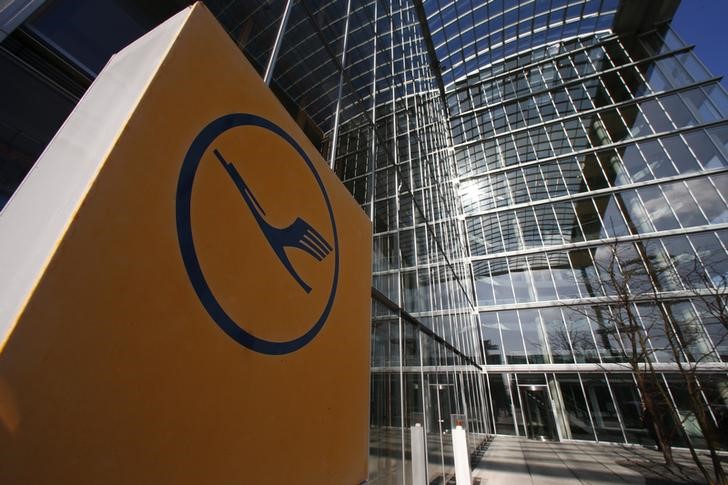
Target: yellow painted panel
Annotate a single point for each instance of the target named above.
(205, 317)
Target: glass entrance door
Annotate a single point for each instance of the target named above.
(537, 413)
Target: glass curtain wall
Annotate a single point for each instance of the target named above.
(358, 72)
(569, 155)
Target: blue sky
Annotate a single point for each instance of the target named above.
(705, 24)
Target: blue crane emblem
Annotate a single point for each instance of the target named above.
(299, 234)
(283, 240)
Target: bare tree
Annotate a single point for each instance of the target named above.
(695, 338)
(636, 318)
(622, 275)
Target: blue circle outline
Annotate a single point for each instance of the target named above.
(186, 243)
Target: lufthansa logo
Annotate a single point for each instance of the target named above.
(257, 234)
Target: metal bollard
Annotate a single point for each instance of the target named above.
(460, 450)
(419, 460)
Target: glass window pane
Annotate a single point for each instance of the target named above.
(709, 200)
(563, 276)
(678, 112)
(653, 321)
(589, 219)
(654, 77)
(720, 135)
(712, 257)
(521, 278)
(630, 406)
(693, 65)
(635, 164)
(657, 159)
(579, 332)
(554, 181)
(714, 386)
(511, 334)
(705, 151)
(684, 405)
(689, 328)
(682, 256)
(661, 266)
(701, 106)
(634, 212)
(541, 275)
(683, 204)
(606, 336)
(502, 287)
(656, 116)
(674, 71)
(510, 231)
(571, 171)
(593, 173)
(491, 338)
(586, 275)
(613, 169)
(529, 228)
(483, 283)
(501, 400)
(384, 416)
(718, 96)
(658, 209)
(614, 224)
(533, 337)
(680, 155)
(558, 337)
(577, 413)
(604, 412)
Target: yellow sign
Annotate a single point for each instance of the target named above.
(195, 306)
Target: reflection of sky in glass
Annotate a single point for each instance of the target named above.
(702, 22)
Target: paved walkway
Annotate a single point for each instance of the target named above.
(515, 461)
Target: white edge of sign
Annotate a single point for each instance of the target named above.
(37, 216)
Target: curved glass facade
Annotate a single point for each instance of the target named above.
(471, 35)
(526, 165)
(580, 162)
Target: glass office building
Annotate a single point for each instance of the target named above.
(510, 154)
